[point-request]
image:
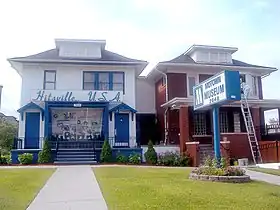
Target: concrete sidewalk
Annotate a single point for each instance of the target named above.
(258, 176)
(72, 187)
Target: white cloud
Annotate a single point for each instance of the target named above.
(31, 26)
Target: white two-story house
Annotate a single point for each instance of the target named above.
(79, 93)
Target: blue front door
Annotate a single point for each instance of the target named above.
(122, 128)
(32, 130)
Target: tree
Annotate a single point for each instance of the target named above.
(45, 156)
(151, 155)
(8, 132)
(106, 153)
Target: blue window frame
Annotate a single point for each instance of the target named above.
(49, 80)
(103, 81)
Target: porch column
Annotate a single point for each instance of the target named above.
(256, 120)
(184, 127)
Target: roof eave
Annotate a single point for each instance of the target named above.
(209, 65)
(75, 61)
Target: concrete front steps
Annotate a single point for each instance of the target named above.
(75, 156)
(205, 151)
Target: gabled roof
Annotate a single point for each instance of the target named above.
(30, 105)
(53, 56)
(121, 107)
(186, 59)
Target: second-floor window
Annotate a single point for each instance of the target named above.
(103, 81)
(254, 86)
(49, 79)
(191, 84)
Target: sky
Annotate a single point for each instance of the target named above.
(153, 30)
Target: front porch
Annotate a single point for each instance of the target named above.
(191, 130)
(76, 130)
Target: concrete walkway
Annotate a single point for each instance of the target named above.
(258, 176)
(72, 187)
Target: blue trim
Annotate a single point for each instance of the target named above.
(30, 105)
(122, 107)
(48, 105)
(96, 79)
(216, 129)
(110, 81)
(32, 130)
(122, 127)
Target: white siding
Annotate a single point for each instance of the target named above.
(145, 96)
(71, 78)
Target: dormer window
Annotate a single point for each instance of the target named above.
(211, 54)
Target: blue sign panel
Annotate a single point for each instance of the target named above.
(222, 88)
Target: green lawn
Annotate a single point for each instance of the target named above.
(158, 188)
(266, 170)
(18, 187)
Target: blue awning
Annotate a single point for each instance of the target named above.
(30, 105)
(121, 107)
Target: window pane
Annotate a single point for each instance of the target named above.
(118, 81)
(117, 78)
(50, 76)
(191, 81)
(118, 86)
(254, 85)
(89, 77)
(103, 83)
(103, 77)
(223, 122)
(200, 124)
(236, 121)
(49, 86)
(89, 86)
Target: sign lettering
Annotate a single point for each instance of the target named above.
(215, 90)
(72, 96)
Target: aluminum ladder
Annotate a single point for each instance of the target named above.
(251, 133)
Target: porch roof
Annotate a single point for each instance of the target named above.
(121, 107)
(176, 102)
(30, 105)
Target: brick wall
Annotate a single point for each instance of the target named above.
(239, 145)
(160, 94)
(176, 85)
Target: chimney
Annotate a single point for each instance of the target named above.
(1, 87)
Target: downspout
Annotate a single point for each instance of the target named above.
(166, 110)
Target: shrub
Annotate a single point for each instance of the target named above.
(122, 158)
(106, 153)
(135, 159)
(150, 154)
(184, 160)
(45, 156)
(223, 163)
(210, 168)
(25, 158)
(5, 159)
(169, 159)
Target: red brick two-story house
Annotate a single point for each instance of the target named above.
(181, 125)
